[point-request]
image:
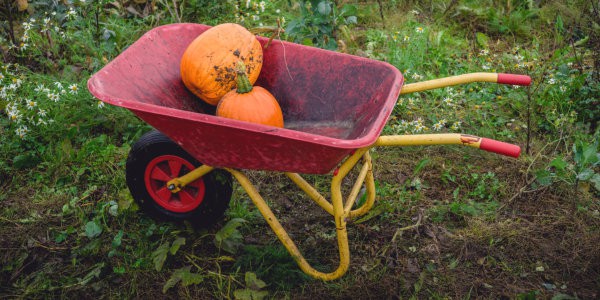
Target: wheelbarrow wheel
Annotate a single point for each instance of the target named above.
(154, 160)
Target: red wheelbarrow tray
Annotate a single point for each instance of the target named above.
(333, 103)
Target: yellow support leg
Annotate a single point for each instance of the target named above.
(287, 242)
(309, 190)
(365, 177)
(370, 186)
(340, 211)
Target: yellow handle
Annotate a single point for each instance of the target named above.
(449, 81)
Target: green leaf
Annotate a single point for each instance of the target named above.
(125, 200)
(252, 282)
(189, 278)
(351, 20)
(420, 165)
(248, 294)
(595, 180)
(376, 211)
(229, 238)
(590, 155)
(349, 10)
(559, 25)
(92, 229)
(160, 255)
(67, 148)
(113, 208)
(176, 245)
(582, 41)
(585, 154)
(324, 8)
(456, 193)
(183, 275)
(94, 273)
(438, 38)
(563, 297)
(482, 40)
(24, 161)
(544, 177)
(245, 294)
(585, 175)
(61, 237)
(558, 163)
(117, 239)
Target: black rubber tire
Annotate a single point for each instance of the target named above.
(217, 184)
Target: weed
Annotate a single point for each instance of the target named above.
(581, 170)
(320, 22)
(475, 196)
(273, 264)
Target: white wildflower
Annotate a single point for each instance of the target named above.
(40, 88)
(519, 57)
(31, 104)
(54, 97)
(416, 76)
(14, 115)
(456, 125)
(27, 25)
(73, 89)
(71, 13)
(21, 131)
(448, 101)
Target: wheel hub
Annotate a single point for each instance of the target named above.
(164, 168)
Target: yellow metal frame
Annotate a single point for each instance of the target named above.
(342, 210)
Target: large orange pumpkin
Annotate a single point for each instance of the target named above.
(208, 65)
(250, 104)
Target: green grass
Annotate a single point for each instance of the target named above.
(485, 226)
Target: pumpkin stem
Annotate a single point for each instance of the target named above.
(243, 83)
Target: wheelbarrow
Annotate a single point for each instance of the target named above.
(335, 107)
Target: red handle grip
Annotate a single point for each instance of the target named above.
(500, 147)
(514, 79)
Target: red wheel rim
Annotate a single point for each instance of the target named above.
(164, 168)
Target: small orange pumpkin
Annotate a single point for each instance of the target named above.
(208, 65)
(250, 104)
